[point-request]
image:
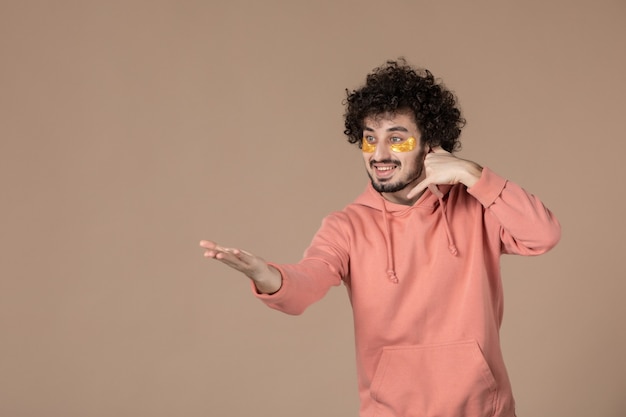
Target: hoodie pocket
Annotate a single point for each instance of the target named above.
(446, 380)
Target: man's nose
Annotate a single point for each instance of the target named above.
(382, 151)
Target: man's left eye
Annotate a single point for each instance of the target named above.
(396, 139)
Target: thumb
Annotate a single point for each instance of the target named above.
(418, 189)
(424, 185)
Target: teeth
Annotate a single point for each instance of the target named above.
(385, 168)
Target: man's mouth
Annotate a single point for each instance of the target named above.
(384, 170)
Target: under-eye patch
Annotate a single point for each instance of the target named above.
(368, 147)
(405, 146)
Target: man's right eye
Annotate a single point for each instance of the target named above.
(368, 144)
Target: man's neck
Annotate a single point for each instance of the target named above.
(400, 197)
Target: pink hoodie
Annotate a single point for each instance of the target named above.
(424, 283)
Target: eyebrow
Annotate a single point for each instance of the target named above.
(391, 129)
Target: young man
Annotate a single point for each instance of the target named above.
(419, 254)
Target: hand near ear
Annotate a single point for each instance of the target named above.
(441, 167)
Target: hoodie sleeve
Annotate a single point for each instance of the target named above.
(325, 264)
(527, 227)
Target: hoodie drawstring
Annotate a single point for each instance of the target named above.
(391, 273)
(444, 216)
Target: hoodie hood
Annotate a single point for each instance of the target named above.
(427, 201)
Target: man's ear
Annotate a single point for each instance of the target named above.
(429, 144)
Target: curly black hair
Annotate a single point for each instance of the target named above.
(397, 87)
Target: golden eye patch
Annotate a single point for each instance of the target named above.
(405, 146)
(368, 147)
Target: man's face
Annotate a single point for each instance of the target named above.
(393, 165)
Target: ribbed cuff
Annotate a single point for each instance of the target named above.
(488, 188)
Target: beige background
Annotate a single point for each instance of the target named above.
(131, 130)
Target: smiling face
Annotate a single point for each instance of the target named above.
(394, 154)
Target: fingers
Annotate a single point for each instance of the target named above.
(247, 263)
(213, 250)
(207, 244)
(235, 259)
(231, 256)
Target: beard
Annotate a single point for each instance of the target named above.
(401, 184)
(388, 188)
(392, 187)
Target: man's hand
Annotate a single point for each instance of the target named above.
(441, 167)
(266, 278)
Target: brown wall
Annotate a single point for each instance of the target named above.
(131, 130)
